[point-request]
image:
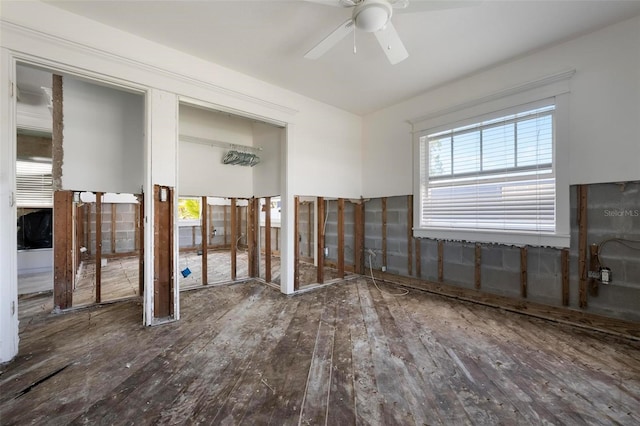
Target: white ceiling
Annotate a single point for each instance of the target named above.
(267, 40)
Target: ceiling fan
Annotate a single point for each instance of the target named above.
(374, 16)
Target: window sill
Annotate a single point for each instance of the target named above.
(495, 237)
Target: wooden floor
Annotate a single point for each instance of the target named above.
(343, 354)
(120, 279)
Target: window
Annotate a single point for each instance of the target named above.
(189, 209)
(34, 184)
(491, 176)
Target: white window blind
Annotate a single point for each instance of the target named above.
(493, 175)
(34, 184)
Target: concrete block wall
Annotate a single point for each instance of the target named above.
(185, 236)
(216, 221)
(331, 229)
(125, 231)
(305, 229)
(613, 212)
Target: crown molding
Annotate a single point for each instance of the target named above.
(43, 37)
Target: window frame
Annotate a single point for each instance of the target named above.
(189, 222)
(502, 104)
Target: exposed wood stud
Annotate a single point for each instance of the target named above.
(320, 242)
(163, 252)
(594, 265)
(309, 228)
(523, 272)
(234, 238)
(79, 236)
(358, 235)
(211, 227)
(226, 229)
(440, 260)
(267, 240)
(582, 245)
(564, 260)
(252, 237)
(341, 237)
(384, 231)
(98, 247)
(193, 236)
(62, 250)
(478, 267)
(113, 227)
(140, 231)
(418, 242)
(204, 230)
(57, 152)
(410, 234)
(296, 243)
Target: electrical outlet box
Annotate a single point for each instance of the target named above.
(384, 269)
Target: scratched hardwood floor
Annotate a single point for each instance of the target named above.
(344, 354)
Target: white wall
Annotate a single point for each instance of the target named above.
(201, 171)
(604, 110)
(8, 241)
(324, 134)
(103, 138)
(322, 149)
(267, 175)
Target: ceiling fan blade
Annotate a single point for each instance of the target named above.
(391, 44)
(409, 6)
(331, 40)
(337, 3)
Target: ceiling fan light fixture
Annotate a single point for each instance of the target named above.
(372, 15)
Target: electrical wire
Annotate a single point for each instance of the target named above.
(622, 241)
(376, 284)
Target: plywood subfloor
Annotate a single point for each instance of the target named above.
(344, 354)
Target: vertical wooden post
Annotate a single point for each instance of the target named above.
(341, 237)
(309, 229)
(163, 252)
(582, 245)
(267, 239)
(193, 236)
(79, 225)
(296, 243)
(478, 267)
(225, 224)
(384, 231)
(234, 238)
(57, 132)
(211, 227)
(98, 247)
(252, 237)
(358, 236)
(255, 224)
(62, 250)
(113, 227)
(564, 260)
(523, 272)
(410, 234)
(140, 232)
(418, 257)
(204, 243)
(594, 265)
(440, 260)
(320, 242)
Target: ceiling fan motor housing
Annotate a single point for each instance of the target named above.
(372, 15)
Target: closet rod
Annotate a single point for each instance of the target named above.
(219, 144)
